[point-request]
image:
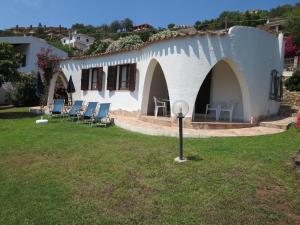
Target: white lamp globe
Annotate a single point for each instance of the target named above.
(180, 107)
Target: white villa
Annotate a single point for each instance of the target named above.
(28, 46)
(239, 70)
(78, 41)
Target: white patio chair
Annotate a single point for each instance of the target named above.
(215, 108)
(159, 105)
(227, 109)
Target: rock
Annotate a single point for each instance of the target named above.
(297, 158)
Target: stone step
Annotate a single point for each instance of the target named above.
(279, 123)
(163, 121)
(219, 125)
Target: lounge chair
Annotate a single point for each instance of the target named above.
(75, 109)
(102, 117)
(89, 112)
(57, 108)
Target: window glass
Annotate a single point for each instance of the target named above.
(94, 79)
(123, 77)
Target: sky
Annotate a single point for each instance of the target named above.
(158, 13)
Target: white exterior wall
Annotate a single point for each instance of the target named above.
(73, 40)
(34, 46)
(251, 53)
(30, 46)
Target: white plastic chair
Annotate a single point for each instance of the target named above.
(215, 108)
(228, 108)
(159, 105)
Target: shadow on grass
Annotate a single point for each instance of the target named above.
(194, 158)
(16, 115)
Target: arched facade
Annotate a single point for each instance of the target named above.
(54, 78)
(223, 85)
(247, 54)
(155, 85)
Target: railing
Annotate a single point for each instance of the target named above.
(292, 63)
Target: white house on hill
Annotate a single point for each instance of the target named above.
(78, 41)
(240, 68)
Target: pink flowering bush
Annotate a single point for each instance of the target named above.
(47, 63)
(291, 49)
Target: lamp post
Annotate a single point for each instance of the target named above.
(180, 109)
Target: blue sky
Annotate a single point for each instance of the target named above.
(96, 12)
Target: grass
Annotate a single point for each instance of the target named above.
(66, 173)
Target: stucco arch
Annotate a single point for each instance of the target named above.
(148, 82)
(52, 85)
(246, 107)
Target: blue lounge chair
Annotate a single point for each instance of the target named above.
(75, 110)
(102, 117)
(89, 111)
(57, 108)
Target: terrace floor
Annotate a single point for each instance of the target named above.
(162, 128)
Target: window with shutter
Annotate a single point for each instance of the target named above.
(84, 79)
(99, 78)
(112, 78)
(132, 76)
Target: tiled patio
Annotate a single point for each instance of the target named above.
(164, 127)
(136, 125)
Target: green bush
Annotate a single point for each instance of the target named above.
(97, 47)
(163, 34)
(23, 91)
(293, 82)
(131, 41)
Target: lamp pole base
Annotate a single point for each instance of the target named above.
(41, 121)
(178, 160)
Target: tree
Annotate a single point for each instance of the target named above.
(280, 11)
(171, 26)
(293, 24)
(293, 82)
(115, 26)
(9, 64)
(48, 63)
(127, 24)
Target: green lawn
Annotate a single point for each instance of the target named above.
(66, 173)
